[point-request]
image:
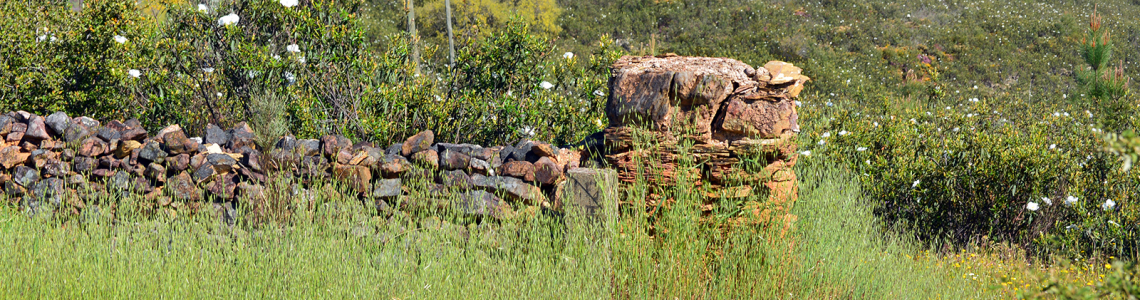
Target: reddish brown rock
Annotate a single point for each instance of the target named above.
(182, 187)
(759, 119)
(453, 160)
(547, 171)
(426, 158)
(543, 150)
(359, 178)
(11, 157)
(391, 166)
(418, 143)
(242, 136)
(14, 137)
(92, 147)
(519, 169)
(37, 130)
(331, 145)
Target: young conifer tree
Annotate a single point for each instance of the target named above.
(1101, 80)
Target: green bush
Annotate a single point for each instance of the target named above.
(315, 59)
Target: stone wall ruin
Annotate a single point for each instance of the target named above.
(58, 164)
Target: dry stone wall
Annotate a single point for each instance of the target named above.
(59, 163)
(730, 109)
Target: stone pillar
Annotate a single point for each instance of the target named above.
(733, 112)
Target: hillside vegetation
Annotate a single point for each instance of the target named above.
(961, 149)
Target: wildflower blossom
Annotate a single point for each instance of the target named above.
(134, 73)
(916, 182)
(293, 48)
(120, 39)
(826, 134)
(1108, 204)
(202, 8)
(290, 77)
(1070, 200)
(229, 19)
(527, 131)
(568, 55)
(546, 85)
(806, 152)
(301, 59)
(861, 149)
(288, 3)
(599, 93)
(1032, 206)
(822, 142)
(1047, 200)
(208, 70)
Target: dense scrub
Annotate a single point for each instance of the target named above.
(964, 120)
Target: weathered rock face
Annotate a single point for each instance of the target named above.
(729, 108)
(691, 91)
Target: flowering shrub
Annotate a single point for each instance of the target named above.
(1000, 168)
(228, 61)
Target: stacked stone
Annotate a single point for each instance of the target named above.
(49, 161)
(730, 109)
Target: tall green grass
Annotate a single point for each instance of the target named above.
(837, 250)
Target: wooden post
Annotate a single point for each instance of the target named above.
(450, 35)
(415, 36)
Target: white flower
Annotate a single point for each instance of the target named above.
(821, 142)
(527, 131)
(1108, 204)
(229, 19)
(1031, 206)
(1047, 200)
(293, 48)
(301, 59)
(120, 39)
(599, 93)
(799, 103)
(288, 3)
(202, 7)
(1053, 146)
(826, 134)
(1070, 200)
(844, 132)
(598, 121)
(568, 55)
(861, 149)
(1113, 223)
(208, 70)
(546, 85)
(829, 104)
(219, 95)
(974, 100)
(915, 184)
(290, 77)
(134, 73)
(806, 152)
(253, 73)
